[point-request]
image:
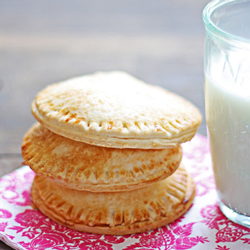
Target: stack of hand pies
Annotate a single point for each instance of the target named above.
(107, 154)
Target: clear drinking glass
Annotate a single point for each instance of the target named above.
(227, 101)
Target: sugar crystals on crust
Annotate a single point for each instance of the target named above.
(114, 109)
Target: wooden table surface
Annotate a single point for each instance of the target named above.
(41, 42)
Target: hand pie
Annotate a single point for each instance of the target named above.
(117, 213)
(114, 109)
(98, 169)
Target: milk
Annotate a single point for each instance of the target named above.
(228, 122)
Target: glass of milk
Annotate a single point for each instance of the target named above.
(227, 101)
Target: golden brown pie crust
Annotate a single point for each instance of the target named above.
(98, 169)
(118, 213)
(114, 109)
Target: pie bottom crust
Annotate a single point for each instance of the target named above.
(118, 213)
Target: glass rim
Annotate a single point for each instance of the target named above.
(223, 35)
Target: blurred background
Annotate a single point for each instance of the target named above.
(42, 42)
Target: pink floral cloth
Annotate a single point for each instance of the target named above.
(202, 227)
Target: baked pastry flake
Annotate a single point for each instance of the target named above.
(117, 213)
(98, 169)
(114, 109)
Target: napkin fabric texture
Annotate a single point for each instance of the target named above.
(202, 227)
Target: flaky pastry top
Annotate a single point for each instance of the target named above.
(114, 109)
